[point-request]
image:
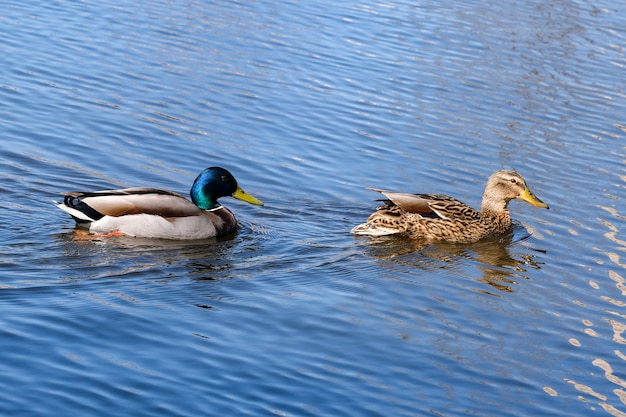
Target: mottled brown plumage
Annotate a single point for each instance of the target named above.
(440, 217)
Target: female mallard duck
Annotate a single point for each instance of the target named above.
(440, 217)
(154, 213)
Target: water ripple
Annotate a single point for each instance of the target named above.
(308, 104)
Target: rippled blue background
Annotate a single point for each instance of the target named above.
(309, 103)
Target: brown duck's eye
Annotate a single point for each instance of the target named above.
(513, 180)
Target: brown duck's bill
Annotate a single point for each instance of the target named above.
(529, 197)
(240, 194)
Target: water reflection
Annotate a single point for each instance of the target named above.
(138, 254)
(616, 320)
(499, 268)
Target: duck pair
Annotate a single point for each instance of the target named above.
(155, 213)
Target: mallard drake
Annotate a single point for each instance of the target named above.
(154, 213)
(441, 217)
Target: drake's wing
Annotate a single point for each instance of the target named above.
(92, 206)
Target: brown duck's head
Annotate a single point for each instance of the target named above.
(504, 186)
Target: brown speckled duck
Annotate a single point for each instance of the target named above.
(440, 217)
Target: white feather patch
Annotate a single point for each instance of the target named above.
(151, 226)
(73, 212)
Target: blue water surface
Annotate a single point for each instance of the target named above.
(308, 104)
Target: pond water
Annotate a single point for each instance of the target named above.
(308, 104)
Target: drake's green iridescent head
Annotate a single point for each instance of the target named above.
(216, 182)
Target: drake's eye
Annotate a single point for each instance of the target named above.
(224, 178)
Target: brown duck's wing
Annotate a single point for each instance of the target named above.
(430, 205)
(117, 203)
